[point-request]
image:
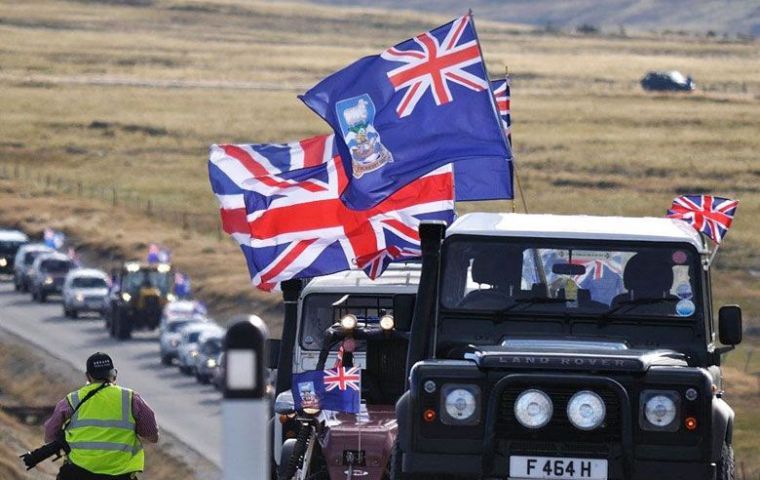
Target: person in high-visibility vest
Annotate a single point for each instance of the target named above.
(104, 429)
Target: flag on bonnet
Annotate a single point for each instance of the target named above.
(417, 106)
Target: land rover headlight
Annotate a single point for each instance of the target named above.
(211, 363)
(3, 262)
(533, 408)
(348, 322)
(460, 404)
(386, 322)
(126, 297)
(586, 410)
(659, 410)
(79, 297)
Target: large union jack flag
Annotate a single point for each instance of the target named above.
(430, 64)
(502, 92)
(282, 204)
(708, 214)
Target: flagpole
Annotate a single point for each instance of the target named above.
(506, 78)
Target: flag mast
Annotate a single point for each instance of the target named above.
(514, 165)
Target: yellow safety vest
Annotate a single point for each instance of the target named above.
(101, 433)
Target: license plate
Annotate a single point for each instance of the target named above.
(557, 468)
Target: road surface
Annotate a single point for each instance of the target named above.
(189, 411)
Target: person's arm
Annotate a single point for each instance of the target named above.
(54, 424)
(145, 420)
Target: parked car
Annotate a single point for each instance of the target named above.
(47, 275)
(187, 349)
(10, 242)
(22, 264)
(85, 290)
(667, 81)
(171, 335)
(209, 348)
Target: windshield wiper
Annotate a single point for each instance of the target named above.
(634, 303)
(525, 302)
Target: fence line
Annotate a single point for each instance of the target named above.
(207, 223)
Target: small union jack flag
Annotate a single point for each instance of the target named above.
(431, 64)
(706, 213)
(502, 92)
(343, 378)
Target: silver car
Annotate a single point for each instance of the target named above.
(209, 348)
(10, 242)
(22, 264)
(85, 290)
(187, 349)
(171, 334)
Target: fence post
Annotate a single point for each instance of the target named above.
(149, 208)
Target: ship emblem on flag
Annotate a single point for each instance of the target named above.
(708, 214)
(430, 64)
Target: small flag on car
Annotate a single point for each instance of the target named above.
(708, 214)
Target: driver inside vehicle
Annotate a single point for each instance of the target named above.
(498, 273)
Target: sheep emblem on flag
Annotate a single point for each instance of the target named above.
(356, 116)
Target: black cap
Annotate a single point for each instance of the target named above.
(100, 366)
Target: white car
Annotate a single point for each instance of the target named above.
(171, 334)
(187, 349)
(85, 290)
(178, 309)
(22, 264)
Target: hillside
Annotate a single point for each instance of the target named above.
(699, 16)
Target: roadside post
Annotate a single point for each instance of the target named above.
(245, 409)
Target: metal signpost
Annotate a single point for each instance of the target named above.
(245, 409)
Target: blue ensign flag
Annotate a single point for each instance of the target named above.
(417, 106)
(337, 389)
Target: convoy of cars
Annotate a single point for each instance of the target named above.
(523, 346)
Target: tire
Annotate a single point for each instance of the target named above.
(24, 287)
(74, 314)
(43, 297)
(121, 328)
(726, 464)
(290, 464)
(397, 474)
(166, 360)
(65, 311)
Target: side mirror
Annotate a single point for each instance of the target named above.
(283, 404)
(273, 349)
(730, 325)
(403, 310)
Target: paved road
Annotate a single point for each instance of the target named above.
(190, 411)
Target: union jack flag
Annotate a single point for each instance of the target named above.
(343, 378)
(282, 204)
(430, 64)
(502, 92)
(708, 214)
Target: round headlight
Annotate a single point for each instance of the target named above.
(660, 410)
(79, 297)
(586, 410)
(348, 322)
(460, 404)
(127, 297)
(533, 408)
(386, 322)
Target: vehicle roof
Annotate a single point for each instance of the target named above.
(87, 272)
(29, 247)
(647, 229)
(398, 278)
(198, 327)
(53, 255)
(13, 236)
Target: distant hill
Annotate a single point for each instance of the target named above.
(719, 16)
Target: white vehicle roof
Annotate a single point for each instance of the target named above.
(179, 307)
(398, 278)
(647, 229)
(13, 236)
(88, 273)
(35, 247)
(197, 327)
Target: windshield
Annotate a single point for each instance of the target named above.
(147, 279)
(176, 326)
(56, 266)
(30, 256)
(192, 337)
(89, 282)
(212, 347)
(320, 310)
(566, 277)
(9, 247)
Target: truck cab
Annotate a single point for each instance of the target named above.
(551, 346)
(322, 303)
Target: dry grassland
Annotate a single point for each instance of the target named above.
(167, 80)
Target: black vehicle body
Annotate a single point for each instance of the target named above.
(10, 242)
(667, 82)
(48, 274)
(138, 296)
(627, 354)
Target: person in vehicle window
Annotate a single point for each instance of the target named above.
(104, 425)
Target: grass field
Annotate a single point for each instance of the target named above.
(109, 94)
